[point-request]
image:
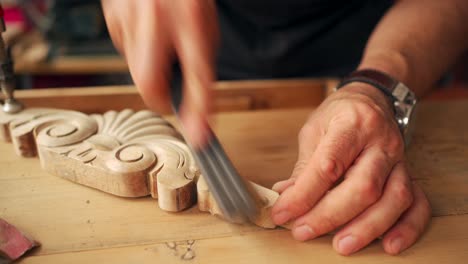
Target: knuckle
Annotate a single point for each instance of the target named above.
(370, 191)
(330, 170)
(403, 194)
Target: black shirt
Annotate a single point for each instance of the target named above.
(294, 38)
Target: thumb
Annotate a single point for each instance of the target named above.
(335, 152)
(308, 138)
(282, 186)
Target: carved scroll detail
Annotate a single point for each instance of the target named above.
(127, 153)
(66, 127)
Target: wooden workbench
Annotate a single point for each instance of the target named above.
(76, 224)
(69, 65)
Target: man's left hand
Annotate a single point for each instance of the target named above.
(351, 174)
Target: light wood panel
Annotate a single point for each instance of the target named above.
(72, 65)
(438, 155)
(445, 242)
(230, 96)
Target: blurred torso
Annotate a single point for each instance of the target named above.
(294, 38)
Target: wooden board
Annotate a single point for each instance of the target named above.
(61, 65)
(438, 156)
(446, 242)
(84, 225)
(230, 96)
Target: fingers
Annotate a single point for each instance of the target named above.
(195, 39)
(410, 226)
(334, 154)
(113, 23)
(150, 33)
(379, 217)
(362, 188)
(149, 54)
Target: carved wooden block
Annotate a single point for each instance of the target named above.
(127, 153)
(266, 198)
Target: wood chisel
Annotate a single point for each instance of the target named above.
(232, 194)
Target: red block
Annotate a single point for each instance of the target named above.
(13, 243)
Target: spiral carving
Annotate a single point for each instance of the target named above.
(65, 130)
(125, 153)
(51, 127)
(130, 158)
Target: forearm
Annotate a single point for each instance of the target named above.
(418, 40)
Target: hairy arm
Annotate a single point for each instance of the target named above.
(418, 40)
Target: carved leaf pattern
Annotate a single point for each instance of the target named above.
(125, 153)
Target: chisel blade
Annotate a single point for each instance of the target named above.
(233, 195)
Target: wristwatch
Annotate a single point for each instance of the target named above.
(404, 100)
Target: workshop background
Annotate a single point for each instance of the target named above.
(61, 44)
(65, 43)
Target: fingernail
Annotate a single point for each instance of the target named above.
(396, 244)
(347, 245)
(303, 232)
(282, 217)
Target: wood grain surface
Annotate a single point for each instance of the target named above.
(27, 64)
(81, 225)
(230, 96)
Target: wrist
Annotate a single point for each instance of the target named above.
(398, 96)
(391, 63)
(370, 92)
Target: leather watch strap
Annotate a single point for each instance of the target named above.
(378, 79)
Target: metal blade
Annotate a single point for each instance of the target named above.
(229, 190)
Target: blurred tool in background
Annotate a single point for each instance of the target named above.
(7, 80)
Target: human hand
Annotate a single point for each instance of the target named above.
(353, 137)
(150, 34)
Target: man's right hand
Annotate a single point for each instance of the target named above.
(150, 34)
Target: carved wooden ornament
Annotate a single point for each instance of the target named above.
(127, 153)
